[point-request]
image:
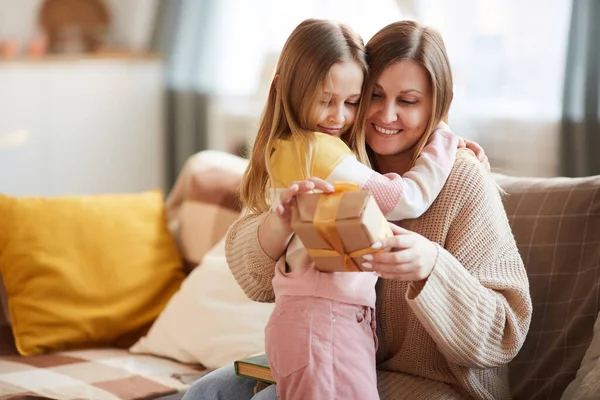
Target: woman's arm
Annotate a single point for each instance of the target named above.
(474, 299)
(251, 267)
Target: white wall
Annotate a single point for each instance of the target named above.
(81, 127)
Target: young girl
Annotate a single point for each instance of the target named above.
(320, 339)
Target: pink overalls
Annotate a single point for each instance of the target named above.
(320, 338)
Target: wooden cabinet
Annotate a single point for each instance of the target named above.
(81, 126)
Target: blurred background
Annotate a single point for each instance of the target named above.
(102, 96)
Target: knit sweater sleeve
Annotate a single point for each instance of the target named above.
(476, 303)
(252, 268)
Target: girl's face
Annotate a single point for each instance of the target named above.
(339, 98)
(400, 108)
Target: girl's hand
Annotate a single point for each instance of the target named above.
(274, 231)
(477, 149)
(407, 256)
(288, 196)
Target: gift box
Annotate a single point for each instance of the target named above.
(338, 229)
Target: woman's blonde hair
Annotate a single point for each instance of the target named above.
(398, 41)
(291, 110)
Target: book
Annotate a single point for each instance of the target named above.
(255, 367)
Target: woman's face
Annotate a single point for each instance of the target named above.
(400, 108)
(339, 98)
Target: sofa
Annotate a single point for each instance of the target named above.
(208, 322)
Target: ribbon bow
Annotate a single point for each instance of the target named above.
(324, 222)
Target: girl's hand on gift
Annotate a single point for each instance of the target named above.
(406, 256)
(476, 149)
(288, 196)
(275, 231)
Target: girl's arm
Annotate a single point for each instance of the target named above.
(251, 267)
(398, 197)
(256, 242)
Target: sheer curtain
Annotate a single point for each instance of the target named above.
(508, 61)
(246, 43)
(183, 33)
(581, 105)
(250, 34)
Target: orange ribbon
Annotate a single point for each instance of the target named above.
(324, 222)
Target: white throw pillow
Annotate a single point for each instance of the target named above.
(209, 320)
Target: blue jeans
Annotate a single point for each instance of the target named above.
(224, 384)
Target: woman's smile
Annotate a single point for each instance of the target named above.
(386, 131)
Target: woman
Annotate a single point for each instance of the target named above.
(453, 304)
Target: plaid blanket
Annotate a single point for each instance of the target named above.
(103, 374)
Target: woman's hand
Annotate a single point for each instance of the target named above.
(407, 256)
(477, 149)
(275, 230)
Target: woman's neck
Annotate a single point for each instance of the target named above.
(397, 163)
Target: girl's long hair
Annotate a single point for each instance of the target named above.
(292, 104)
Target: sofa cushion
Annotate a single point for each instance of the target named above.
(209, 320)
(84, 271)
(204, 202)
(556, 223)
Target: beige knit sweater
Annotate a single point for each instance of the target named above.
(451, 337)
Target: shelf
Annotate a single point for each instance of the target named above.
(109, 56)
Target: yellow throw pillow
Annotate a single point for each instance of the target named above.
(85, 271)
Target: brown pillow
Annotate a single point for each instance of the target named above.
(204, 202)
(216, 186)
(556, 223)
(211, 206)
